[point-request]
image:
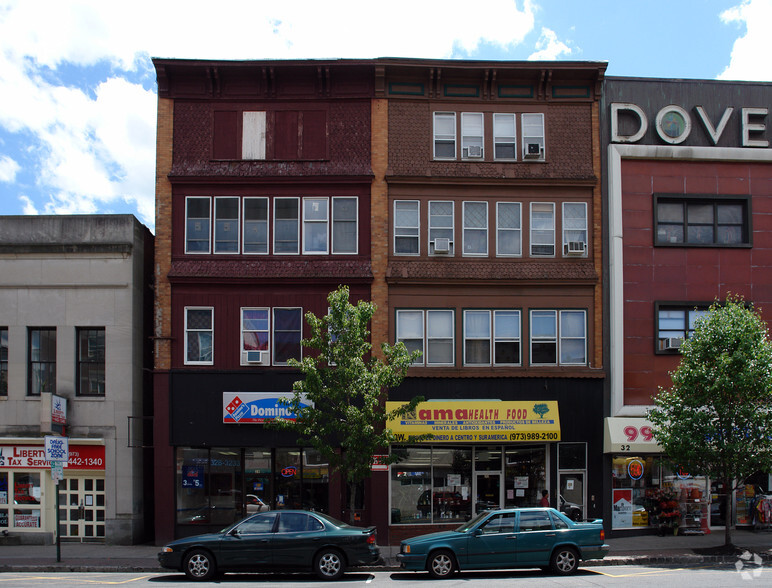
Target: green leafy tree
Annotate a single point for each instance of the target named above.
(716, 418)
(346, 385)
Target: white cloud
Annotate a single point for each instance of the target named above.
(29, 206)
(548, 47)
(8, 169)
(749, 60)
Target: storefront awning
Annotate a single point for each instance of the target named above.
(487, 421)
(629, 435)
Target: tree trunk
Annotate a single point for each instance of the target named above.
(352, 488)
(728, 518)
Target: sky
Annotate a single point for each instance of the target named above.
(78, 90)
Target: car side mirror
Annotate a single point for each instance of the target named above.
(477, 532)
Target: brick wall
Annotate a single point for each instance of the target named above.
(379, 222)
(163, 235)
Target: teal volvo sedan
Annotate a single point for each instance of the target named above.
(509, 538)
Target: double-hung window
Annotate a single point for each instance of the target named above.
(42, 361)
(574, 228)
(676, 323)
(429, 331)
(509, 240)
(255, 335)
(406, 227)
(315, 222)
(440, 227)
(558, 337)
(444, 135)
(287, 333)
(199, 335)
(475, 232)
(197, 224)
(532, 125)
(226, 225)
(472, 135)
(542, 229)
(345, 233)
(707, 221)
(286, 226)
(3, 361)
(504, 136)
(491, 337)
(255, 225)
(91, 361)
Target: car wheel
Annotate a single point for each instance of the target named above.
(441, 564)
(329, 565)
(199, 565)
(564, 561)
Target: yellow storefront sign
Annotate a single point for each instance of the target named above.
(486, 421)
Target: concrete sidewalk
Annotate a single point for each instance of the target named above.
(641, 550)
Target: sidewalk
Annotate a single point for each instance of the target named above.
(642, 550)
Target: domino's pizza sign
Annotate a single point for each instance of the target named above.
(255, 407)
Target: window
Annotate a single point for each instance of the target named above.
(255, 225)
(255, 335)
(440, 228)
(286, 226)
(508, 229)
(533, 136)
(702, 221)
(444, 135)
(504, 136)
(471, 135)
(3, 361)
(226, 225)
(535, 521)
(570, 347)
(437, 346)
(574, 228)
(406, 227)
(197, 215)
(287, 333)
(542, 229)
(676, 323)
(91, 361)
(345, 233)
(199, 335)
(253, 135)
(500, 523)
(477, 337)
(42, 361)
(475, 228)
(315, 221)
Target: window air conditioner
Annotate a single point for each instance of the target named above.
(473, 151)
(254, 356)
(533, 151)
(673, 343)
(442, 245)
(575, 247)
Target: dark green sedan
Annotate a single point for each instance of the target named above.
(510, 538)
(286, 540)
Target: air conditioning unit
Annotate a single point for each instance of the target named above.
(673, 343)
(575, 247)
(442, 245)
(254, 357)
(533, 151)
(473, 151)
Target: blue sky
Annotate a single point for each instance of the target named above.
(78, 94)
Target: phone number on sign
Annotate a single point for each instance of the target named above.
(533, 436)
(85, 461)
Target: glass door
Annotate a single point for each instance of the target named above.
(487, 491)
(571, 499)
(82, 504)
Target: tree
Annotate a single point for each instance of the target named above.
(345, 384)
(716, 418)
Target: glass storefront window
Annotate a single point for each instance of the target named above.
(3, 499)
(452, 484)
(316, 478)
(287, 476)
(26, 488)
(525, 476)
(258, 478)
(411, 485)
(225, 486)
(192, 493)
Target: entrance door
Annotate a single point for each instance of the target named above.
(571, 499)
(487, 491)
(82, 503)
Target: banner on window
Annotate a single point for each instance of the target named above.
(480, 422)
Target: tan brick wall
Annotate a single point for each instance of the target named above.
(163, 232)
(379, 221)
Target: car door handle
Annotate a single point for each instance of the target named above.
(550, 534)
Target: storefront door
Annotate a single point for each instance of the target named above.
(487, 491)
(572, 500)
(82, 504)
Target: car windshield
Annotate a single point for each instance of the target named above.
(471, 523)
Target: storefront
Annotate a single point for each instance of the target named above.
(28, 492)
